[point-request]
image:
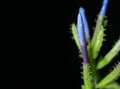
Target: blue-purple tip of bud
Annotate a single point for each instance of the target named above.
(84, 54)
(104, 7)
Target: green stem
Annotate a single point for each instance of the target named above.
(93, 66)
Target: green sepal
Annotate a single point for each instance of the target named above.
(98, 36)
(83, 87)
(75, 36)
(109, 56)
(96, 47)
(113, 85)
(110, 77)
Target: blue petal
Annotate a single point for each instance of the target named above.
(80, 29)
(85, 24)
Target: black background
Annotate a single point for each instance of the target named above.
(67, 11)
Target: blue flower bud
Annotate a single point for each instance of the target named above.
(81, 33)
(104, 7)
